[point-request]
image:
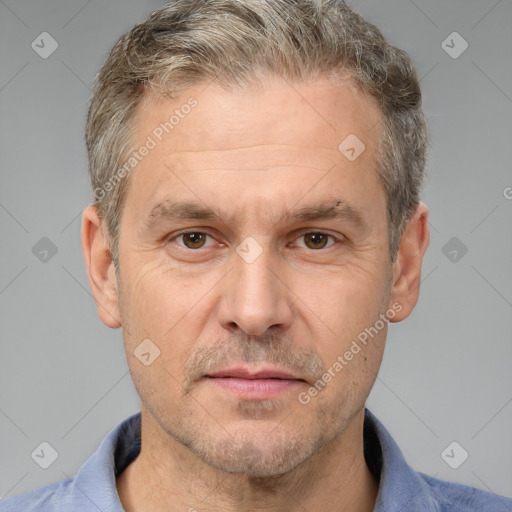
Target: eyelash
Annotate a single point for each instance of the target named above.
(174, 237)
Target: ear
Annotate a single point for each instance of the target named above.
(407, 267)
(100, 268)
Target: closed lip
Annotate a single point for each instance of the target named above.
(245, 373)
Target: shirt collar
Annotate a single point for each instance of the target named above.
(96, 479)
(400, 487)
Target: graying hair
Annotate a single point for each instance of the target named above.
(236, 43)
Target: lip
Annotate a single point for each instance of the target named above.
(245, 373)
(254, 385)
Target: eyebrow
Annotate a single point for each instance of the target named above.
(338, 209)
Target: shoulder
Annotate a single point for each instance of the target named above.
(94, 484)
(454, 497)
(46, 499)
(403, 488)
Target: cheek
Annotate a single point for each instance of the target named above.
(155, 297)
(351, 368)
(162, 303)
(155, 307)
(347, 329)
(347, 300)
(144, 297)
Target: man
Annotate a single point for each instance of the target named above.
(256, 225)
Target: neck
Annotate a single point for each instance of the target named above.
(166, 472)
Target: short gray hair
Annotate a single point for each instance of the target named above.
(236, 43)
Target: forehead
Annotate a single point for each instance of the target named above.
(313, 114)
(234, 141)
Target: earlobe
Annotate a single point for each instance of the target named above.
(407, 267)
(100, 268)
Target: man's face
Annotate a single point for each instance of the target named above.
(285, 263)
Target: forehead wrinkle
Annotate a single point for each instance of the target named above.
(260, 156)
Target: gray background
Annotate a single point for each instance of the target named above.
(446, 374)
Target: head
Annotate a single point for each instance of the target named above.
(287, 140)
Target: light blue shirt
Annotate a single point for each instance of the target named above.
(401, 489)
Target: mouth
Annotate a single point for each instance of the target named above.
(256, 385)
(245, 373)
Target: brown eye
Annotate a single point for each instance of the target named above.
(316, 240)
(194, 240)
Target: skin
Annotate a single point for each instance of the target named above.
(254, 156)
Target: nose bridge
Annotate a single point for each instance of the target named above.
(254, 299)
(254, 280)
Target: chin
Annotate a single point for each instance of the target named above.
(254, 455)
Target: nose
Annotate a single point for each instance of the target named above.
(255, 297)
